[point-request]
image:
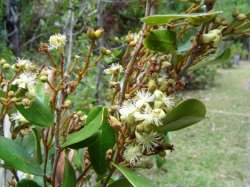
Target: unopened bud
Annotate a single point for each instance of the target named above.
(132, 44)
(11, 94)
(140, 128)
(115, 123)
(26, 102)
(147, 128)
(6, 66)
(43, 78)
(151, 86)
(91, 33)
(235, 13)
(79, 113)
(68, 103)
(99, 33)
(3, 61)
(162, 153)
(241, 17)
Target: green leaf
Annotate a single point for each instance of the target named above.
(27, 183)
(2, 93)
(185, 114)
(38, 151)
(15, 156)
(120, 183)
(163, 19)
(219, 59)
(136, 179)
(159, 161)
(97, 150)
(69, 176)
(93, 124)
(161, 40)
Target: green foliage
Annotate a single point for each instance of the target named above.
(195, 19)
(185, 114)
(161, 40)
(136, 179)
(27, 183)
(217, 60)
(69, 176)
(94, 122)
(98, 148)
(39, 113)
(15, 156)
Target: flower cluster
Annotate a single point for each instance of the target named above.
(57, 41)
(145, 112)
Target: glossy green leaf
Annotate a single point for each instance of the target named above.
(38, 113)
(185, 114)
(161, 40)
(27, 183)
(120, 183)
(136, 179)
(163, 19)
(69, 176)
(159, 161)
(38, 151)
(93, 124)
(15, 156)
(97, 150)
(219, 59)
(86, 142)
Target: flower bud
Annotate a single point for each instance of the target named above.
(140, 128)
(213, 36)
(235, 13)
(79, 113)
(166, 64)
(3, 61)
(11, 94)
(132, 44)
(91, 33)
(115, 123)
(26, 102)
(158, 104)
(147, 128)
(158, 94)
(162, 153)
(241, 17)
(68, 103)
(160, 80)
(151, 86)
(99, 33)
(43, 78)
(164, 87)
(6, 66)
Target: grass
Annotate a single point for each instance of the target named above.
(214, 152)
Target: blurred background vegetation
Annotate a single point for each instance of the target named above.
(25, 24)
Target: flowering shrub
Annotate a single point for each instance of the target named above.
(144, 103)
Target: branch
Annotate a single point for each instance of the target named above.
(137, 51)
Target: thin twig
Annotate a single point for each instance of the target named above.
(137, 51)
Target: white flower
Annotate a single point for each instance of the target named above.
(115, 68)
(57, 41)
(148, 141)
(26, 80)
(132, 154)
(23, 64)
(150, 116)
(143, 98)
(127, 109)
(169, 101)
(18, 118)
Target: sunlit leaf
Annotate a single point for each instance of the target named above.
(185, 114)
(136, 179)
(69, 176)
(15, 156)
(219, 59)
(161, 40)
(162, 19)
